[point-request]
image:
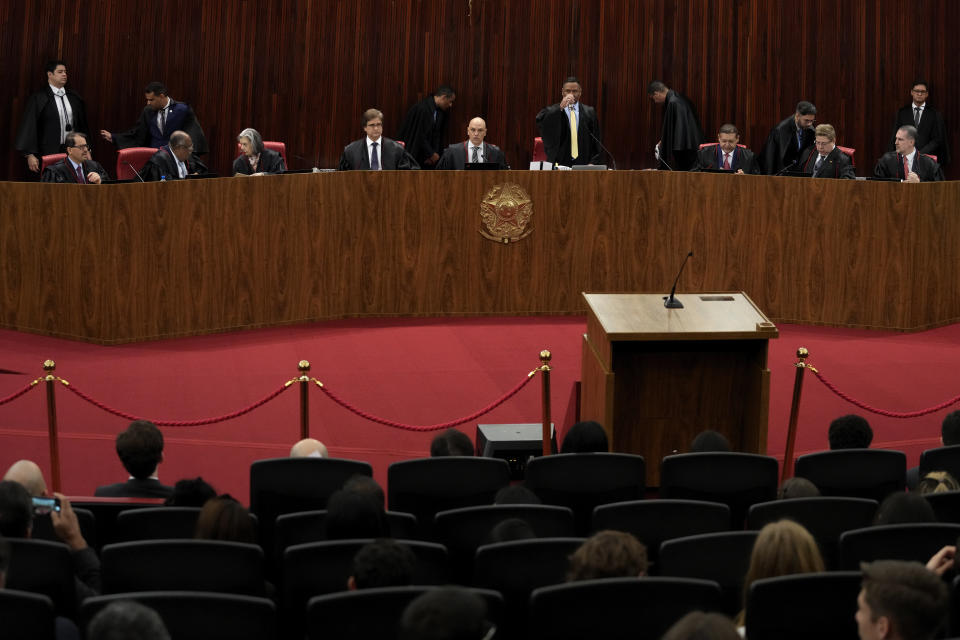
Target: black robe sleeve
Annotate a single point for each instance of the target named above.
(28, 134)
(681, 129)
(137, 136)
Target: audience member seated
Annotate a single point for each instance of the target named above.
(16, 521)
(698, 625)
(900, 601)
(709, 440)
(451, 443)
(949, 436)
(223, 518)
(365, 485)
(28, 474)
(309, 448)
(608, 554)
(797, 488)
(127, 620)
(904, 508)
(585, 437)
(937, 482)
(355, 515)
(140, 448)
(446, 614)
(190, 492)
(850, 432)
(509, 530)
(382, 563)
(516, 494)
(782, 548)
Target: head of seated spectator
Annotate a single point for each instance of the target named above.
(904, 508)
(850, 432)
(355, 515)
(797, 488)
(190, 492)
(937, 482)
(608, 554)
(223, 518)
(516, 494)
(127, 620)
(585, 437)
(309, 448)
(382, 563)
(950, 429)
(447, 613)
(900, 601)
(359, 483)
(451, 443)
(698, 625)
(28, 474)
(509, 530)
(709, 440)
(140, 449)
(782, 548)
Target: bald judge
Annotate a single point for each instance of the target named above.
(473, 149)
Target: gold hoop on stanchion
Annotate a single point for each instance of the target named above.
(801, 366)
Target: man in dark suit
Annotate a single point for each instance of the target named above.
(140, 448)
(50, 114)
(424, 125)
(473, 149)
(907, 163)
(931, 130)
(570, 129)
(789, 139)
(160, 118)
(726, 155)
(77, 167)
(374, 151)
(825, 159)
(174, 161)
(681, 134)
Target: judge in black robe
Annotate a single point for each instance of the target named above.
(256, 159)
(163, 164)
(553, 122)
(40, 132)
(147, 133)
(392, 156)
(890, 165)
(78, 156)
(931, 131)
(710, 157)
(836, 163)
(457, 156)
(788, 140)
(681, 134)
(424, 126)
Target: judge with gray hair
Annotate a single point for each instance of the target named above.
(255, 159)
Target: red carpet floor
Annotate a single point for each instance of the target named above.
(411, 371)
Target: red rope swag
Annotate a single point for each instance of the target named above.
(17, 394)
(883, 412)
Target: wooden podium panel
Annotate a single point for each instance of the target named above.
(655, 377)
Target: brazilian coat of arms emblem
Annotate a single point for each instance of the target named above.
(505, 213)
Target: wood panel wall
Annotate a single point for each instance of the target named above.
(302, 71)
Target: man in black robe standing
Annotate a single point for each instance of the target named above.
(424, 126)
(931, 130)
(789, 139)
(50, 114)
(567, 122)
(681, 135)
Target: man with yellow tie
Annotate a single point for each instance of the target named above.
(570, 129)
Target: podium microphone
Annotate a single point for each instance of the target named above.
(134, 169)
(785, 169)
(597, 140)
(671, 302)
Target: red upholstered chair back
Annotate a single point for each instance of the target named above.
(53, 158)
(849, 151)
(713, 144)
(402, 143)
(279, 147)
(136, 156)
(929, 155)
(539, 154)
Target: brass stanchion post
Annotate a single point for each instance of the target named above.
(304, 380)
(545, 357)
(801, 366)
(49, 366)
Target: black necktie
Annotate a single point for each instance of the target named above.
(476, 155)
(916, 116)
(374, 160)
(163, 120)
(816, 167)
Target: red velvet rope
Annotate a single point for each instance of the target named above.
(884, 412)
(433, 427)
(179, 423)
(16, 395)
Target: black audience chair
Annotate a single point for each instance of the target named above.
(617, 608)
(803, 606)
(582, 481)
(462, 531)
(825, 517)
(738, 480)
(946, 505)
(375, 613)
(44, 567)
(156, 523)
(319, 568)
(941, 459)
(953, 620)
(191, 565)
(653, 521)
(911, 542)
(857, 473)
(43, 527)
(106, 510)
(516, 568)
(26, 615)
(196, 615)
(426, 486)
(723, 557)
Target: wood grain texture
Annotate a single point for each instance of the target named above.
(302, 71)
(128, 262)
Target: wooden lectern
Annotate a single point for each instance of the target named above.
(655, 377)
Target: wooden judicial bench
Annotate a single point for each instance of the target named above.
(129, 262)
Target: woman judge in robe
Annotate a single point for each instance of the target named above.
(256, 160)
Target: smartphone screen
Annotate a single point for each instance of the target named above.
(43, 505)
